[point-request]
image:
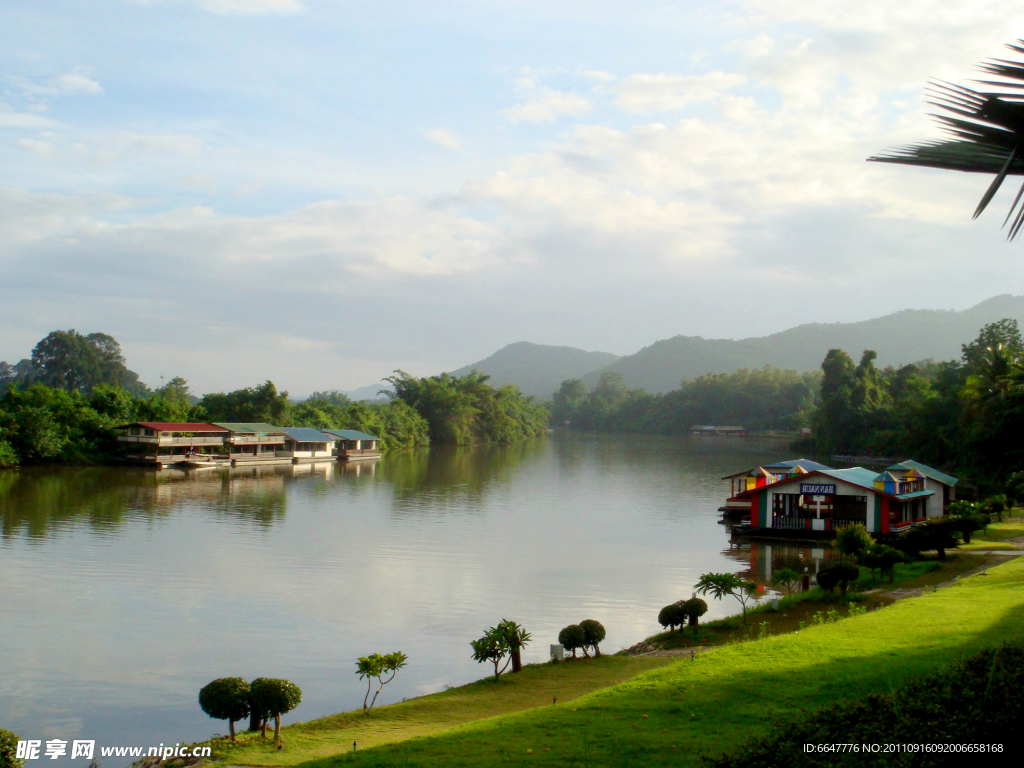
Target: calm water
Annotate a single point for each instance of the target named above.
(122, 592)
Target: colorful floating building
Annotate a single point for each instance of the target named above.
(802, 496)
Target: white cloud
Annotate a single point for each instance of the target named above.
(596, 74)
(444, 138)
(75, 83)
(665, 92)
(236, 7)
(762, 45)
(9, 118)
(545, 105)
(39, 147)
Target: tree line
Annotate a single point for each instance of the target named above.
(964, 414)
(759, 399)
(63, 403)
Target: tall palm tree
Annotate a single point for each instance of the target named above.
(985, 128)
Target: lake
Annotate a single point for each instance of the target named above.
(124, 591)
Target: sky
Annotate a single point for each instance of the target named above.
(321, 191)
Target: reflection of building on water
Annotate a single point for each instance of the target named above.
(802, 497)
(766, 559)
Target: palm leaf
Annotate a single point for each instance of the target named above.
(985, 130)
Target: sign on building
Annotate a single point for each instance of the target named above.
(818, 489)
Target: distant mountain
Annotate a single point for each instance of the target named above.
(538, 369)
(371, 392)
(899, 338)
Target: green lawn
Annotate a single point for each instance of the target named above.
(671, 715)
(996, 536)
(535, 686)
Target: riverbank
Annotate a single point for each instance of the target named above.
(718, 698)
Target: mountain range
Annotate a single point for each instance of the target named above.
(899, 338)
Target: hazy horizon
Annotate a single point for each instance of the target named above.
(320, 192)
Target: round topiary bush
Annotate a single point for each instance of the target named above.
(845, 572)
(226, 698)
(694, 608)
(571, 638)
(9, 750)
(593, 634)
(827, 578)
(273, 697)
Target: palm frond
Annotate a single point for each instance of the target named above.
(985, 130)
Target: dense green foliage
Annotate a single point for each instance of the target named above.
(273, 697)
(593, 634)
(767, 398)
(505, 639)
(73, 362)
(966, 415)
(978, 700)
(9, 750)
(465, 410)
(720, 585)
(572, 638)
(226, 698)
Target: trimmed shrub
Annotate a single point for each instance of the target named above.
(226, 698)
(853, 541)
(671, 615)
(827, 578)
(572, 639)
(979, 700)
(8, 750)
(693, 609)
(883, 558)
(273, 697)
(593, 634)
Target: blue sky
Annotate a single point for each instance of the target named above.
(320, 191)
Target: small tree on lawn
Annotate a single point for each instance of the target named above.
(517, 638)
(722, 584)
(226, 698)
(967, 518)
(846, 572)
(827, 578)
(572, 638)
(671, 615)
(273, 698)
(375, 667)
(785, 578)
(693, 609)
(593, 634)
(492, 647)
(995, 505)
(853, 541)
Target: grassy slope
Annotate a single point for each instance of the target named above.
(533, 687)
(996, 536)
(671, 715)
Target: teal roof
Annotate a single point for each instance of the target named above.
(351, 434)
(914, 495)
(854, 475)
(807, 464)
(256, 427)
(307, 435)
(927, 471)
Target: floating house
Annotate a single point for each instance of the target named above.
(165, 443)
(759, 477)
(302, 444)
(799, 496)
(354, 445)
(254, 443)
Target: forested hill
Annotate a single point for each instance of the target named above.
(537, 369)
(902, 337)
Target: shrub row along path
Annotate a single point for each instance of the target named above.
(675, 710)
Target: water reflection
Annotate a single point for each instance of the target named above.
(166, 580)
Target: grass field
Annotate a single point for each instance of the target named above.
(671, 714)
(535, 686)
(996, 536)
(727, 694)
